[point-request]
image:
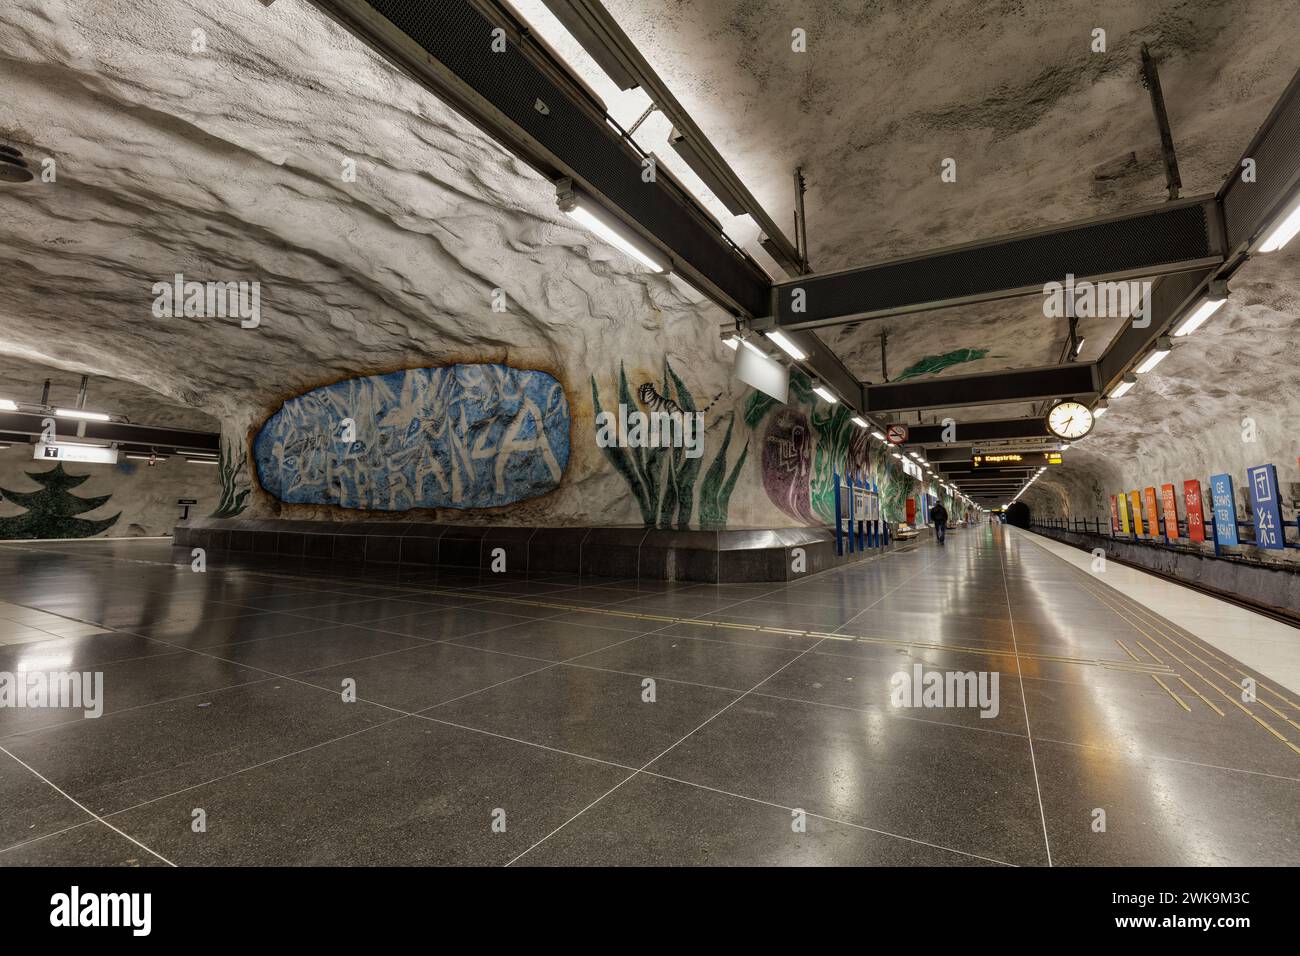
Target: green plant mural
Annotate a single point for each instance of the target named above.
(662, 480)
(50, 511)
(233, 500)
(930, 364)
(715, 497)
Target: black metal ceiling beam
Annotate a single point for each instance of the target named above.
(1171, 238)
(947, 453)
(967, 433)
(1251, 204)
(1075, 380)
(1171, 297)
(143, 435)
(525, 98)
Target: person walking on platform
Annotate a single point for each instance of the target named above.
(939, 518)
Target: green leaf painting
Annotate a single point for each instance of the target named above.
(663, 480)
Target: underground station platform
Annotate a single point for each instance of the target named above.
(620, 722)
(481, 441)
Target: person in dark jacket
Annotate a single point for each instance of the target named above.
(939, 518)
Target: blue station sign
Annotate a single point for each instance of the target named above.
(1265, 507)
(1225, 509)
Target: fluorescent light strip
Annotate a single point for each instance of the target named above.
(81, 413)
(1283, 232)
(860, 422)
(878, 436)
(826, 394)
(607, 233)
(786, 346)
(1124, 387)
(7, 405)
(1196, 318)
(1154, 358)
(203, 461)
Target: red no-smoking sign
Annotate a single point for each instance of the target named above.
(896, 434)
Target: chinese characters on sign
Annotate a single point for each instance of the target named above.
(1264, 507)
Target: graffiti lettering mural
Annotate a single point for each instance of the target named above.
(460, 436)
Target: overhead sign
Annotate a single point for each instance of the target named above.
(1015, 459)
(1169, 501)
(1195, 514)
(1122, 500)
(45, 451)
(765, 374)
(1265, 507)
(896, 434)
(1225, 509)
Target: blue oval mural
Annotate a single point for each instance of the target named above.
(459, 436)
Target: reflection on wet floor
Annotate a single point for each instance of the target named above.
(385, 718)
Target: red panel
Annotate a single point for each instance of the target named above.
(1195, 515)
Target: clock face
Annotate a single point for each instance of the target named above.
(1069, 420)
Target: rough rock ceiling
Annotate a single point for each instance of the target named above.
(1043, 130)
(23, 382)
(227, 163)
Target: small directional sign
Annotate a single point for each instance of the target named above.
(896, 434)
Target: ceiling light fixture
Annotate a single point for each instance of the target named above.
(859, 421)
(82, 414)
(1123, 387)
(1157, 355)
(786, 346)
(1079, 346)
(203, 461)
(1285, 230)
(1100, 408)
(1212, 302)
(591, 216)
(826, 394)
(8, 405)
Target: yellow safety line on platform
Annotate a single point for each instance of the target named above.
(1165, 627)
(1208, 703)
(1123, 648)
(1092, 588)
(1168, 690)
(1146, 650)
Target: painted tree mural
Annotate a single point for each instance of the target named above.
(50, 511)
(662, 480)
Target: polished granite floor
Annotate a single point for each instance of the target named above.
(557, 721)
